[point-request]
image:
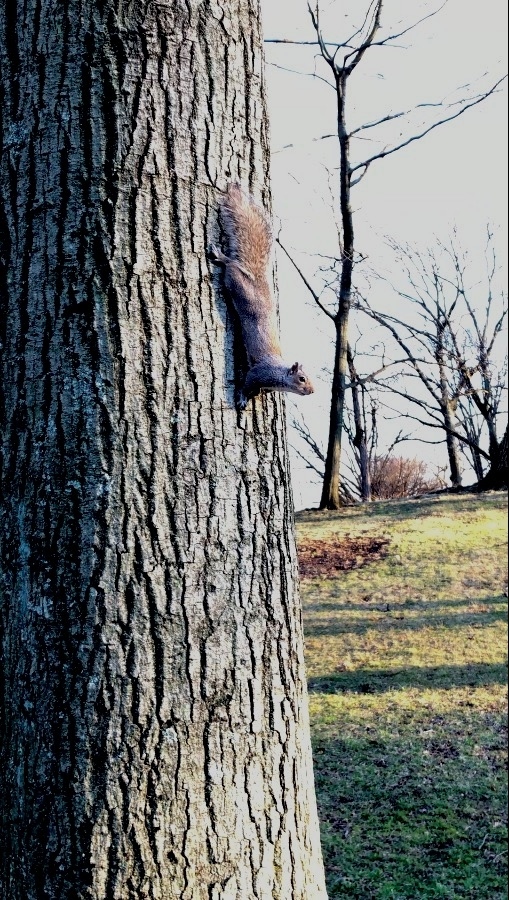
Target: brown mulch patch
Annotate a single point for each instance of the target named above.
(340, 553)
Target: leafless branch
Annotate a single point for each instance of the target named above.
(359, 53)
(417, 401)
(404, 112)
(303, 431)
(399, 439)
(373, 376)
(361, 175)
(323, 137)
(438, 424)
(416, 137)
(395, 37)
(307, 75)
(309, 464)
(384, 320)
(313, 293)
(315, 18)
(299, 43)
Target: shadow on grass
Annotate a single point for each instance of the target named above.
(394, 619)
(344, 606)
(415, 815)
(433, 505)
(376, 681)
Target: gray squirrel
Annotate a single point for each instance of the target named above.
(249, 239)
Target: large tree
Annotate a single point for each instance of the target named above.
(154, 727)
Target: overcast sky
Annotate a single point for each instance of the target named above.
(456, 176)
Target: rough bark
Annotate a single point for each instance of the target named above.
(154, 735)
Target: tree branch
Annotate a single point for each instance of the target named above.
(394, 37)
(359, 53)
(307, 75)
(313, 293)
(382, 320)
(315, 18)
(404, 112)
(441, 425)
(417, 137)
(323, 137)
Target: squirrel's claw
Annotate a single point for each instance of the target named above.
(241, 401)
(214, 253)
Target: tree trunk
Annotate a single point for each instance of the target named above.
(452, 445)
(359, 441)
(331, 488)
(446, 404)
(155, 740)
(477, 464)
(497, 478)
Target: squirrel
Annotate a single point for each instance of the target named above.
(249, 239)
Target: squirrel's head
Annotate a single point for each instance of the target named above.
(298, 381)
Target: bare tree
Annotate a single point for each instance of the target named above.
(154, 739)
(481, 383)
(447, 330)
(343, 57)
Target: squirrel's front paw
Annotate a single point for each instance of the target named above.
(241, 401)
(216, 256)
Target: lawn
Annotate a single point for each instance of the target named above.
(406, 657)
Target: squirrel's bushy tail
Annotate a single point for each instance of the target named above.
(248, 231)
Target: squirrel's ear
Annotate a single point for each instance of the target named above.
(295, 368)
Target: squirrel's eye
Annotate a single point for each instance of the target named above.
(302, 379)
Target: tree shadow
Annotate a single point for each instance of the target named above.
(376, 681)
(394, 618)
(344, 606)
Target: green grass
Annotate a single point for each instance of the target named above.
(407, 672)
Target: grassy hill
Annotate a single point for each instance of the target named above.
(405, 608)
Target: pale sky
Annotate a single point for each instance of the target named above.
(456, 176)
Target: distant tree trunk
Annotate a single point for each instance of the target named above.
(497, 478)
(446, 403)
(331, 489)
(477, 464)
(331, 486)
(360, 438)
(154, 733)
(452, 445)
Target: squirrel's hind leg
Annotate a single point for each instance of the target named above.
(220, 259)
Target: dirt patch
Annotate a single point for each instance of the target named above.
(340, 553)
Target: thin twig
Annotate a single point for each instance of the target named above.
(417, 137)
